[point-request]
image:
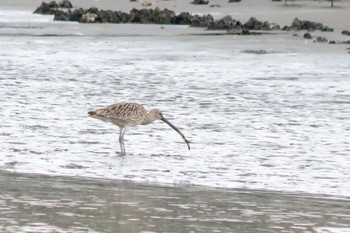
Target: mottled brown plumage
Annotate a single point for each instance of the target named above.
(128, 115)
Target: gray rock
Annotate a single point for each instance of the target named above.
(65, 4)
(307, 36)
(321, 39)
(346, 32)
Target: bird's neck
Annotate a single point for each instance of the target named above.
(148, 120)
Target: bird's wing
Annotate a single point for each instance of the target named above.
(123, 112)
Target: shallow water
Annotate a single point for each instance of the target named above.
(274, 120)
(31, 203)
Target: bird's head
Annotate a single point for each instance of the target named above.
(156, 114)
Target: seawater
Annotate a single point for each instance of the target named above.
(277, 120)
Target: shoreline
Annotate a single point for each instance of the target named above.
(50, 204)
(107, 182)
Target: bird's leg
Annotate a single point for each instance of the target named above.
(121, 140)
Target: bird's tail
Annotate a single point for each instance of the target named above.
(92, 113)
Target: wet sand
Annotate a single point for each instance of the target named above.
(36, 203)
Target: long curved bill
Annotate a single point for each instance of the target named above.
(179, 132)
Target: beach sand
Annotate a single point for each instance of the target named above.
(37, 203)
(337, 17)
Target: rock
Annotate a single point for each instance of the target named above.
(144, 16)
(196, 21)
(327, 29)
(46, 8)
(308, 25)
(307, 36)
(265, 26)
(60, 15)
(346, 32)
(53, 4)
(332, 42)
(152, 16)
(225, 23)
(321, 39)
(163, 16)
(183, 19)
(93, 10)
(276, 27)
(254, 24)
(114, 16)
(105, 16)
(286, 28)
(200, 2)
(234, 0)
(89, 18)
(51, 7)
(296, 24)
(202, 21)
(76, 15)
(245, 32)
(65, 4)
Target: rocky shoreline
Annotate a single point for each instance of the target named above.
(64, 11)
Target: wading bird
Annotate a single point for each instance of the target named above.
(129, 115)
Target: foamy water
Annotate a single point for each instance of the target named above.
(276, 120)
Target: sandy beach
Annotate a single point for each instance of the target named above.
(276, 12)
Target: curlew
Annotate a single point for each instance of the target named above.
(127, 115)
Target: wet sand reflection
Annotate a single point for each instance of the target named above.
(36, 203)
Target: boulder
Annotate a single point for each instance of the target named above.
(76, 15)
(63, 12)
(184, 18)
(225, 23)
(60, 15)
(265, 26)
(346, 32)
(65, 4)
(321, 39)
(254, 24)
(201, 21)
(89, 18)
(92, 10)
(46, 8)
(307, 36)
(163, 16)
(276, 27)
(200, 2)
(53, 4)
(308, 25)
(327, 29)
(141, 16)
